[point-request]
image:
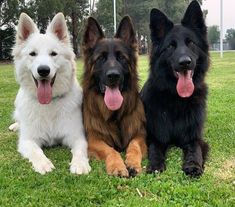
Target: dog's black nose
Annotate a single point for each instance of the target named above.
(113, 76)
(185, 61)
(43, 70)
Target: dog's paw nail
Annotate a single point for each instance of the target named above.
(43, 166)
(132, 172)
(80, 167)
(14, 127)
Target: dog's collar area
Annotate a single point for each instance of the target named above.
(58, 97)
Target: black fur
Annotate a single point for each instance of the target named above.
(171, 119)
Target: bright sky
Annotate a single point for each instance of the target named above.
(213, 16)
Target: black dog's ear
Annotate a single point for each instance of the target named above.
(160, 25)
(92, 34)
(126, 32)
(193, 18)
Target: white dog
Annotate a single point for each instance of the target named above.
(48, 104)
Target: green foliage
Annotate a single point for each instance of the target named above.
(9, 11)
(104, 15)
(6, 42)
(42, 11)
(213, 34)
(230, 37)
(139, 11)
(173, 9)
(21, 186)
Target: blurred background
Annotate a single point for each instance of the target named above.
(77, 11)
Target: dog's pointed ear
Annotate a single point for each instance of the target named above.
(160, 25)
(126, 32)
(92, 34)
(25, 28)
(59, 28)
(193, 18)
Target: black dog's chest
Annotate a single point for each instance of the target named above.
(173, 120)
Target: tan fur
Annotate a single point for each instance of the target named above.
(110, 132)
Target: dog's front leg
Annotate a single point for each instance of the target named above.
(157, 156)
(32, 151)
(114, 163)
(194, 157)
(80, 162)
(134, 154)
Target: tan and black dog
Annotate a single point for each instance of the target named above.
(113, 113)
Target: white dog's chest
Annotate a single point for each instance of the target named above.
(51, 123)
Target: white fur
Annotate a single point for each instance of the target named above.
(61, 120)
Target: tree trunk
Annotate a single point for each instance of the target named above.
(1, 52)
(74, 18)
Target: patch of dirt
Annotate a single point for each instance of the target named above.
(227, 170)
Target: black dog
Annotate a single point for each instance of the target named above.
(174, 95)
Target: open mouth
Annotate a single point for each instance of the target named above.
(113, 98)
(185, 86)
(44, 89)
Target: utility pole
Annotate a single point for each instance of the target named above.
(221, 28)
(114, 16)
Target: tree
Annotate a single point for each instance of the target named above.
(9, 12)
(42, 11)
(213, 34)
(76, 11)
(104, 14)
(230, 37)
(139, 11)
(6, 42)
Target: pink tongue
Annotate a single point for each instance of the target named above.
(185, 86)
(44, 91)
(113, 98)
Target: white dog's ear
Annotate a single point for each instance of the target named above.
(26, 27)
(59, 28)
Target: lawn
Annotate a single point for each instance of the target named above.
(21, 186)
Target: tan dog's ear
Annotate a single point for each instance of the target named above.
(26, 27)
(126, 32)
(92, 34)
(59, 28)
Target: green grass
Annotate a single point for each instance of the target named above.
(21, 186)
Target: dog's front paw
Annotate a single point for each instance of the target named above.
(157, 168)
(192, 170)
(43, 166)
(80, 167)
(116, 168)
(133, 168)
(14, 127)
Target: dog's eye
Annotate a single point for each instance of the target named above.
(101, 58)
(171, 45)
(33, 53)
(53, 53)
(189, 42)
(120, 57)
